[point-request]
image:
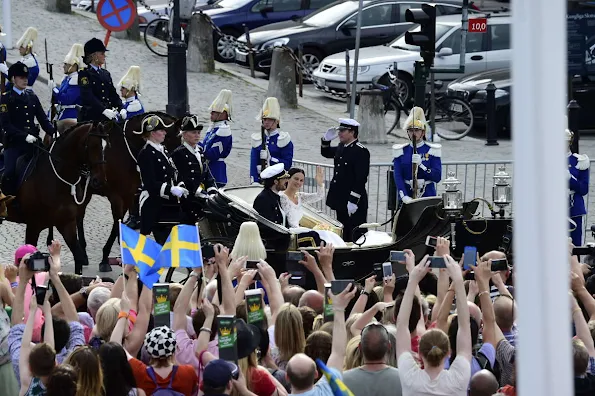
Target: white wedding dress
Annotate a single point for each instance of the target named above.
(294, 213)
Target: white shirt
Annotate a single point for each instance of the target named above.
(295, 211)
(451, 382)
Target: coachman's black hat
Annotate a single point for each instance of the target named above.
(18, 69)
(94, 45)
(191, 123)
(152, 123)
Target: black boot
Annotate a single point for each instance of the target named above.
(133, 222)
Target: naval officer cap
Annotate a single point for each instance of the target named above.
(347, 123)
(276, 171)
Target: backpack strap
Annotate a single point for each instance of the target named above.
(174, 370)
(151, 372)
(483, 361)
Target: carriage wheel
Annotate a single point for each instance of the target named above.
(181, 274)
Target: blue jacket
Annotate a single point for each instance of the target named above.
(429, 172)
(280, 150)
(31, 62)
(578, 183)
(3, 55)
(68, 96)
(216, 147)
(133, 106)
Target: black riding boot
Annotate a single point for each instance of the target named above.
(133, 220)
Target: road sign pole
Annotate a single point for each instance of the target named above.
(177, 98)
(108, 34)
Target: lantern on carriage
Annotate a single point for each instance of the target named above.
(452, 203)
(501, 191)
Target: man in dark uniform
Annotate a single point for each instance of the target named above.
(99, 98)
(191, 165)
(347, 193)
(19, 107)
(268, 204)
(157, 175)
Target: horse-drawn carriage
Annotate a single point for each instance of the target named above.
(224, 213)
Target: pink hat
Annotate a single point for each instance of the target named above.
(22, 252)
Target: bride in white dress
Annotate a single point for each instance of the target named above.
(292, 199)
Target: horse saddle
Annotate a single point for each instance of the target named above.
(24, 168)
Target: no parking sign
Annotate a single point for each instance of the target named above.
(115, 15)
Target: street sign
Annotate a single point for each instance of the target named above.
(478, 25)
(115, 16)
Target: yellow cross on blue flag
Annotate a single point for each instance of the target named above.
(142, 252)
(181, 249)
(337, 385)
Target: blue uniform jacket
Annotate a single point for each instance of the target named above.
(216, 147)
(3, 56)
(578, 183)
(31, 62)
(133, 107)
(17, 117)
(68, 96)
(280, 150)
(429, 172)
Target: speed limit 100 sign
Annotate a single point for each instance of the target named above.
(478, 25)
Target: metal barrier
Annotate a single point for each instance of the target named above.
(476, 177)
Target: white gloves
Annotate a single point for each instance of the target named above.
(31, 139)
(351, 208)
(3, 68)
(123, 114)
(110, 114)
(331, 134)
(264, 154)
(416, 159)
(406, 199)
(178, 191)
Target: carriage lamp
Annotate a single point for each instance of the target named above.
(452, 203)
(501, 191)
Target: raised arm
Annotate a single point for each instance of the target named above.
(312, 266)
(325, 258)
(121, 324)
(578, 287)
(362, 300)
(362, 321)
(272, 286)
(135, 339)
(70, 313)
(204, 334)
(581, 326)
(24, 372)
(483, 274)
(183, 300)
(340, 302)
(464, 332)
(18, 307)
(228, 306)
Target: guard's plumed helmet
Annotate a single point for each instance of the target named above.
(222, 102)
(131, 79)
(28, 38)
(416, 119)
(75, 55)
(270, 109)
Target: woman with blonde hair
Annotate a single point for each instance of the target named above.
(289, 335)
(353, 354)
(90, 375)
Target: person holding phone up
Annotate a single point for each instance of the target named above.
(419, 152)
(578, 187)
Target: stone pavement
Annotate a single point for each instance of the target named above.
(305, 126)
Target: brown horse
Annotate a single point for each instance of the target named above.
(49, 196)
(123, 177)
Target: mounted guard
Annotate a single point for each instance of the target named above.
(25, 46)
(129, 90)
(68, 95)
(218, 141)
(417, 164)
(271, 146)
(578, 187)
(19, 107)
(99, 98)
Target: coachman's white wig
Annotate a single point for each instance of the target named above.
(131, 79)
(416, 119)
(222, 102)
(249, 243)
(75, 55)
(28, 38)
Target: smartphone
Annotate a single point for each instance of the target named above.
(296, 256)
(470, 257)
(431, 241)
(378, 271)
(583, 250)
(207, 252)
(387, 270)
(499, 265)
(296, 270)
(337, 286)
(470, 275)
(397, 255)
(437, 262)
(251, 264)
(40, 293)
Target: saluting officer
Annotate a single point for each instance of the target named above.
(129, 89)
(68, 95)
(218, 140)
(427, 158)
(190, 163)
(25, 46)
(578, 187)
(98, 95)
(19, 107)
(347, 194)
(157, 174)
(278, 146)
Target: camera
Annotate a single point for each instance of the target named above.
(38, 262)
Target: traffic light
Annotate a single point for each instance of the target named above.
(426, 37)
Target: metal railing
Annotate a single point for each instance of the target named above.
(476, 177)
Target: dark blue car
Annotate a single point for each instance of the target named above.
(231, 15)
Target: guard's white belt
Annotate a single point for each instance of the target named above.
(67, 107)
(419, 182)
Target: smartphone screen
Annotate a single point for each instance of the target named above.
(437, 262)
(387, 270)
(207, 252)
(251, 264)
(470, 257)
(431, 241)
(499, 265)
(396, 255)
(337, 286)
(295, 256)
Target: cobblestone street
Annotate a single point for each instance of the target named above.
(305, 126)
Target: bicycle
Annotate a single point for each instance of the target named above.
(453, 116)
(158, 31)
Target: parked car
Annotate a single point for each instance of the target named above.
(332, 30)
(472, 88)
(484, 51)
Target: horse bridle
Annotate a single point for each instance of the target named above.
(104, 138)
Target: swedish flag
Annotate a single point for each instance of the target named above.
(142, 252)
(337, 385)
(182, 248)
